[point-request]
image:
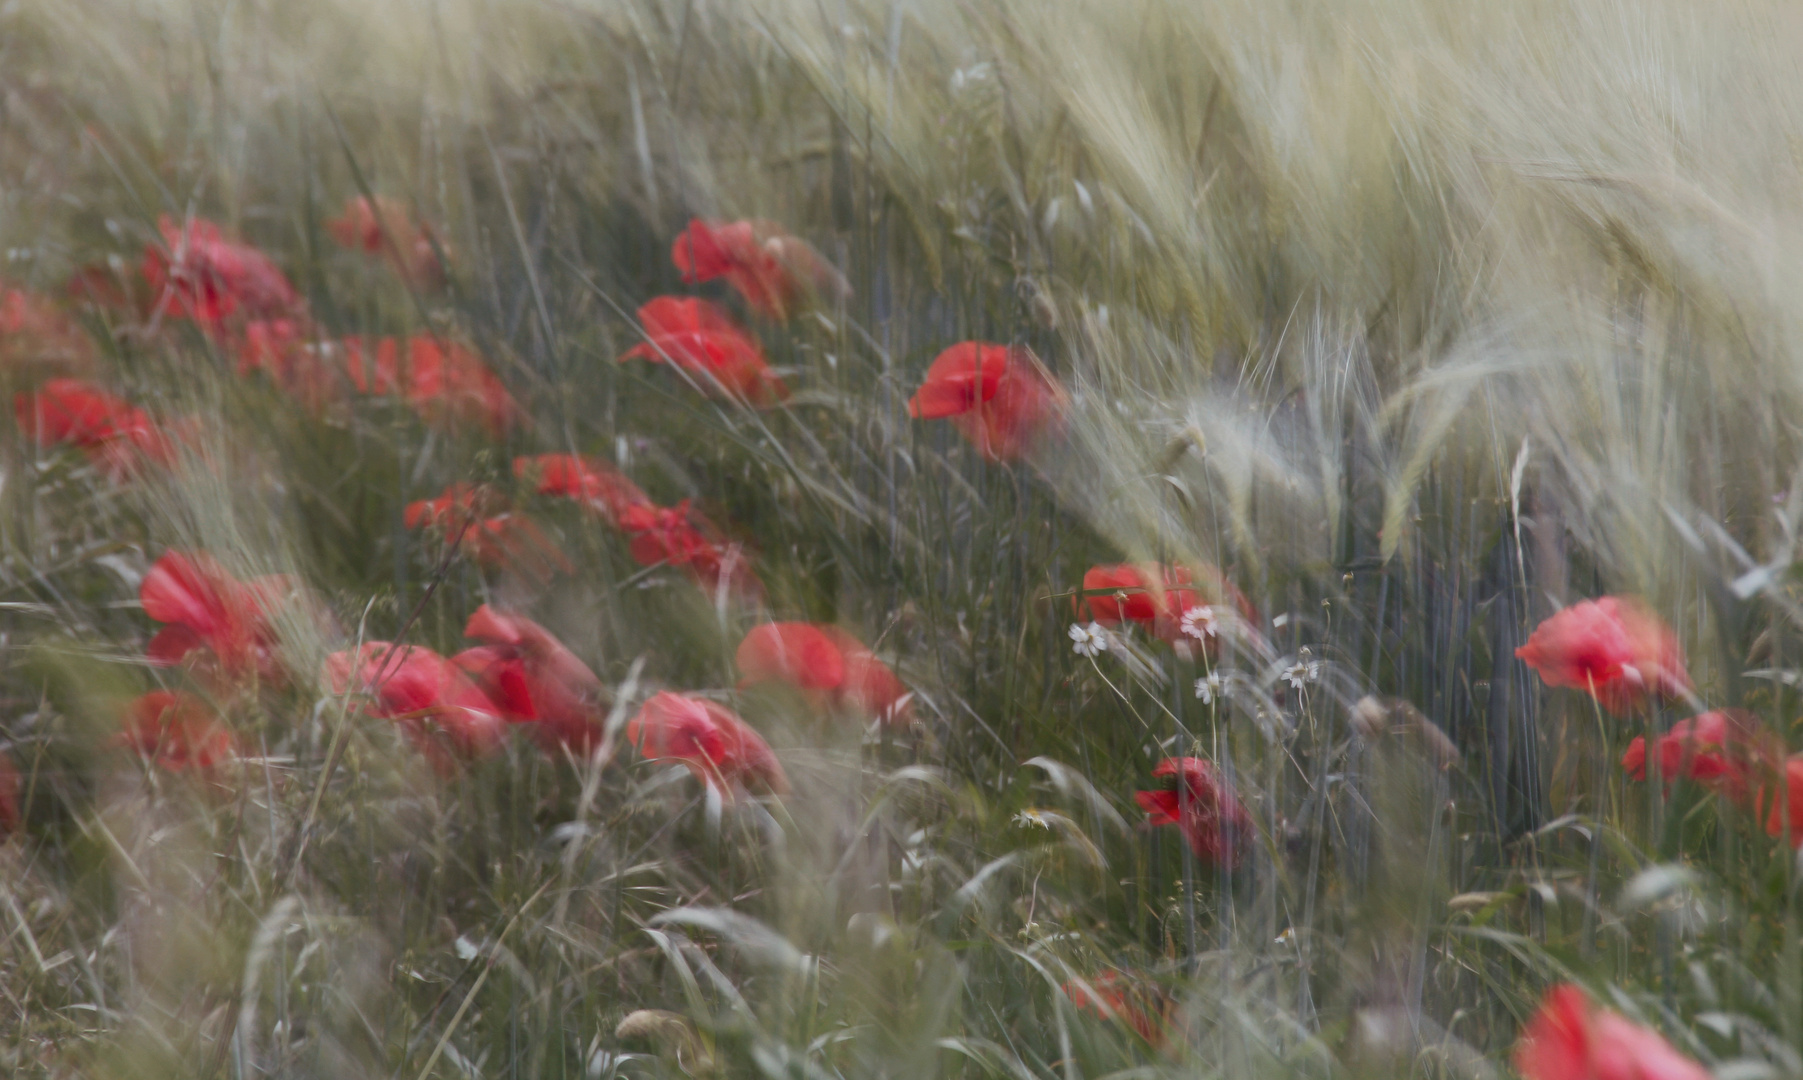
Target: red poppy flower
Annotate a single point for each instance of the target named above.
(208, 278)
(385, 227)
(871, 687)
(445, 714)
(722, 750)
(118, 438)
(826, 663)
(1169, 601)
(465, 514)
(1110, 996)
(775, 272)
(460, 504)
(177, 731)
(532, 678)
(77, 413)
(1613, 647)
(1202, 806)
(681, 536)
(701, 339)
(207, 608)
(74, 412)
(1779, 801)
(11, 816)
(289, 354)
(595, 484)
(33, 330)
(1725, 751)
(1571, 1039)
(797, 653)
(997, 396)
(1153, 595)
(445, 383)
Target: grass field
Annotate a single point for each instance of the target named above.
(1025, 539)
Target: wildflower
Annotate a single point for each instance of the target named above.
(773, 271)
(208, 278)
(118, 438)
(826, 663)
(384, 227)
(440, 710)
(681, 536)
(1111, 996)
(595, 484)
(1724, 751)
(460, 504)
(1032, 819)
(1201, 623)
(35, 331)
(1202, 806)
(208, 610)
(176, 730)
(1300, 673)
(1571, 1039)
(285, 351)
(1613, 648)
(871, 686)
(442, 381)
(702, 339)
(1123, 592)
(1779, 800)
(1210, 687)
(797, 653)
(998, 396)
(721, 750)
(1088, 640)
(465, 515)
(1165, 600)
(533, 678)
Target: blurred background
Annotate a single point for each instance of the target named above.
(1394, 329)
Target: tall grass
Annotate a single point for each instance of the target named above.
(1420, 319)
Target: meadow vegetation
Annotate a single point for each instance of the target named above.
(900, 538)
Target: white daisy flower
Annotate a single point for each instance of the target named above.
(1210, 688)
(1027, 819)
(1088, 640)
(1201, 622)
(1298, 673)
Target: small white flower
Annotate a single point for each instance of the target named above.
(1027, 819)
(1299, 673)
(1210, 688)
(1088, 640)
(1201, 622)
